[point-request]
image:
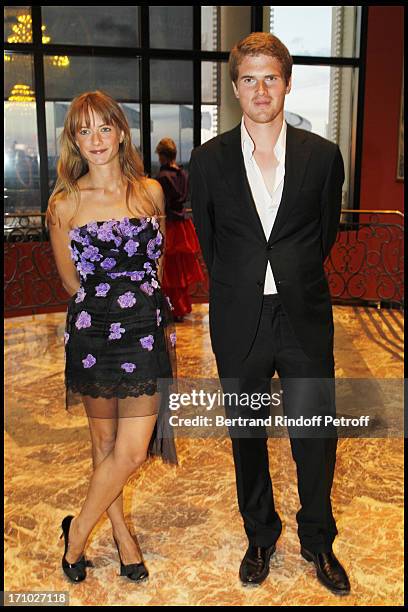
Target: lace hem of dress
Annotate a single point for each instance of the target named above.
(121, 391)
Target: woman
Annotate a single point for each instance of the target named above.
(106, 226)
(181, 267)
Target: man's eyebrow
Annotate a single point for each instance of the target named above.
(251, 76)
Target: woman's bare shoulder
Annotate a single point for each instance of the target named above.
(152, 186)
(155, 191)
(63, 207)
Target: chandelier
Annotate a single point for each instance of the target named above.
(21, 30)
(23, 96)
(21, 93)
(22, 33)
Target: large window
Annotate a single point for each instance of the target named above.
(171, 96)
(168, 68)
(21, 171)
(223, 26)
(107, 26)
(171, 27)
(325, 31)
(325, 77)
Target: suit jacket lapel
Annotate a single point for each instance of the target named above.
(296, 159)
(233, 165)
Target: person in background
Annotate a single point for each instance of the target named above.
(181, 267)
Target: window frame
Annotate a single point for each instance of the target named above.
(38, 50)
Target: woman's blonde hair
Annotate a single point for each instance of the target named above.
(71, 165)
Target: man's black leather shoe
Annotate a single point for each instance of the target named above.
(255, 564)
(329, 571)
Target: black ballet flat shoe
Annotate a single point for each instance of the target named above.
(76, 572)
(134, 571)
(329, 571)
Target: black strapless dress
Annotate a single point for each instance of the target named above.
(119, 338)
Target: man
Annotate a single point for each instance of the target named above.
(266, 201)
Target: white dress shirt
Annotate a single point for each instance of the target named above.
(267, 205)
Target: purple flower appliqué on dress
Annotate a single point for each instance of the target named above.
(83, 320)
(128, 367)
(127, 300)
(173, 338)
(102, 289)
(85, 267)
(108, 263)
(146, 288)
(158, 317)
(117, 274)
(105, 232)
(80, 295)
(92, 227)
(138, 228)
(150, 250)
(136, 276)
(116, 331)
(131, 247)
(92, 253)
(75, 234)
(147, 342)
(74, 253)
(125, 227)
(89, 361)
(148, 267)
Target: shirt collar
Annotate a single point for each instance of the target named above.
(248, 144)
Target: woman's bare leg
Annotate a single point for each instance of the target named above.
(103, 436)
(110, 476)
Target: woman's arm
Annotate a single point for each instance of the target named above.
(157, 195)
(59, 228)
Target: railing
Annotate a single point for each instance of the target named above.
(365, 264)
(27, 227)
(31, 280)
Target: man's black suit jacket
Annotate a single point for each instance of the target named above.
(236, 251)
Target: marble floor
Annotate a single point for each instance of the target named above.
(186, 517)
